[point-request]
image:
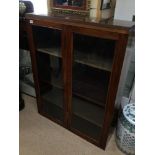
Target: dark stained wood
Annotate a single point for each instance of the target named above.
(65, 76)
(69, 56)
(116, 26)
(100, 33)
(45, 23)
(115, 30)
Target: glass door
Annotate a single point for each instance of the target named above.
(50, 74)
(92, 65)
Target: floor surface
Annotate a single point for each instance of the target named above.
(40, 136)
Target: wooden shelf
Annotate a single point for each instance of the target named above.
(93, 60)
(85, 59)
(78, 94)
(49, 43)
(89, 51)
(88, 111)
(85, 85)
(88, 86)
(81, 108)
(54, 51)
(89, 99)
(86, 91)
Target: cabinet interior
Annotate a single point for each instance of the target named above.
(91, 70)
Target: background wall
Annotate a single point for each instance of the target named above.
(124, 10)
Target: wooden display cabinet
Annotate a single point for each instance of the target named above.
(77, 65)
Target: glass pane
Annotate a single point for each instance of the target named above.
(48, 40)
(94, 52)
(87, 117)
(49, 61)
(92, 64)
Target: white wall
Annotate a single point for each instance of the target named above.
(125, 9)
(129, 56)
(40, 7)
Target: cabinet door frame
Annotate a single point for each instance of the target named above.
(33, 52)
(120, 47)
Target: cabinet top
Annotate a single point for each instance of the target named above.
(119, 26)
